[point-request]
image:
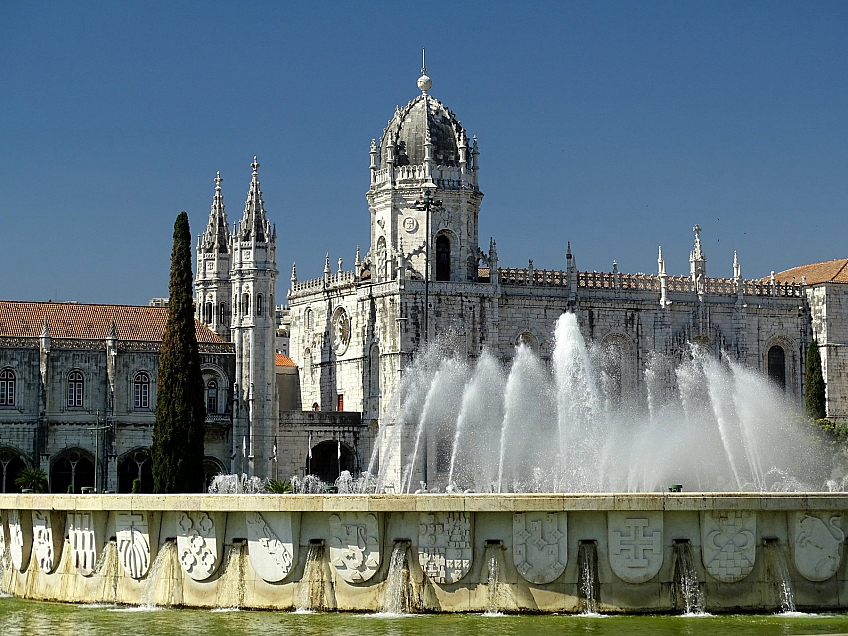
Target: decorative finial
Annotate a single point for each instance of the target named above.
(255, 166)
(218, 181)
(294, 273)
(424, 82)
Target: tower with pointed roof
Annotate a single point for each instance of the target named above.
(212, 283)
(253, 280)
(424, 152)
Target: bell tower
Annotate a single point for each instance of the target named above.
(253, 246)
(212, 283)
(424, 195)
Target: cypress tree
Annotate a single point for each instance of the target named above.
(814, 397)
(177, 451)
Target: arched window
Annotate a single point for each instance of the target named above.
(208, 317)
(245, 301)
(259, 304)
(211, 397)
(443, 257)
(375, 372)
(236, 308)
(75, 388)
(308, 318)
(777, 366)
(141, 391)
(223, 313)
(7, 387)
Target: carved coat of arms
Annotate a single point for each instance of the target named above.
(445, 548)
(47, 543)
(817, 545)
(271, 553)
(354, 545)
(540, 545)
(83, 542)
(728, 543)
(197, 545)
(20, 539)
(635, 544)
(132, 532)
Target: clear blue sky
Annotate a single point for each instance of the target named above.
(616, 126)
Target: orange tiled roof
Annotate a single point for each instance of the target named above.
(284, 361)
(835, 271)
(91, 322)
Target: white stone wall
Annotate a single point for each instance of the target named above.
(829, 309)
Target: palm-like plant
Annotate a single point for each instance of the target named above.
(34, 479)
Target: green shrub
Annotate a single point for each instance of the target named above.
(278, 487)
(136, 486)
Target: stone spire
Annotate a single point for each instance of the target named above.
(294, 275)
(697, 262)
(217, 234)
(254, 223)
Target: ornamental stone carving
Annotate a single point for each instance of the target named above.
(271, 553)
(817, 544)
(198, 547)
(47, 541)
(728, 543)
(340, 330)
(20, 539)
(540, 545)
(445, 548)
(132, 532)
(84, 540)
(354, 545)
(635, 544)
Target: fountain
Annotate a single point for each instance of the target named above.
(311, 595)
(687, 588)
(397, 593)
(107, 568)
(777, 570)
(231, 590)
(569, 424)
(162, 579)
(493, 549)
(587, 583)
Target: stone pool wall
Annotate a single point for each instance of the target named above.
(251, 550)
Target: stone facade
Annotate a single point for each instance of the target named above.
(86, 388)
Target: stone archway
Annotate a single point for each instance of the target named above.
(71, 471)
(135, 464)
(12, 462)
(326, 463)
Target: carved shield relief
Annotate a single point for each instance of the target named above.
(445, 548)
(198, 548)
(728, 543)
(48, 541)
(86, 540)
(271, 552)
(354, 545)
(20, 538)
(817, 544)
(635, 544)
(132, 532)
(540, 545)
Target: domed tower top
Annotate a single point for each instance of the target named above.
(425, 134)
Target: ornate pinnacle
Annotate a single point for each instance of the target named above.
(255, 166)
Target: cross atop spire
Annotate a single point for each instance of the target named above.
(424, 82)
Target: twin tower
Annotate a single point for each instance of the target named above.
(234, 287)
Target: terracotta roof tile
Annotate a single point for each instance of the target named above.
(835, 271)
(91, 322)
(284, 361)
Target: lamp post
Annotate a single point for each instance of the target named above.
(427, 203)
(96, 430)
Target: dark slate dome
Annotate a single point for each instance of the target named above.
(408, 128)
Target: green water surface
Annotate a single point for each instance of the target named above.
(33, 617)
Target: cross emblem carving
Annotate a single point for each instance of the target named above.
(634, 543)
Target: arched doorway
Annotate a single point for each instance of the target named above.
(443, 258)
(212, 467)
(11, 464)
(326, 463)
(71, 471)
(136, 465)
(777, 366)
